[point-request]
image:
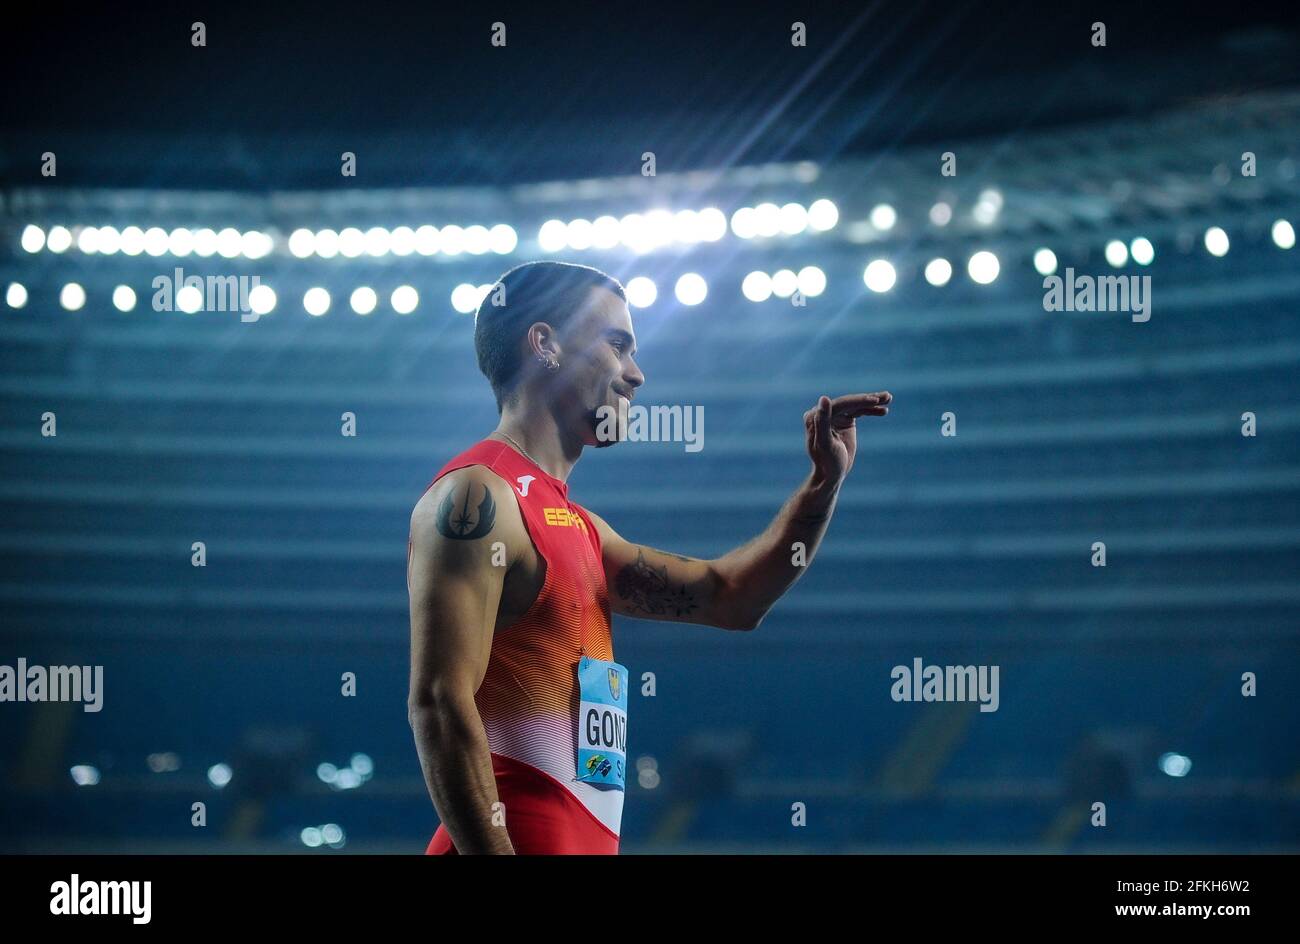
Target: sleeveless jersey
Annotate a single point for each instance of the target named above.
(529, 697)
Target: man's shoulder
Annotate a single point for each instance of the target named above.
(463, 502)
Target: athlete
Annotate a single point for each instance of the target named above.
(518, 708)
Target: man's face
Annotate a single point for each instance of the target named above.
(597, 367)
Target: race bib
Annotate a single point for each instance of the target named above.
(602, 723)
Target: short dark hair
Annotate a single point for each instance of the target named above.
(535, 291)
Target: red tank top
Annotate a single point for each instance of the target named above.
(529, 697)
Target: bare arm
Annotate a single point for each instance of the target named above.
(736, 591)
(455, 592)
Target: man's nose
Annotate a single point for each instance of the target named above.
(634, 378)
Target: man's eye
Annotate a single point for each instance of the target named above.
(617, 346)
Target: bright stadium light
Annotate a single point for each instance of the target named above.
(326, 243)
(379, 241)
(316, 301)
(938, 272)
(477, 240)
(84, 775)
(72, 297)
(88, 240)
(1141, 251)
(1283, 234)
(553, 236)
(402, 242)
(363, 300)
(205, 242)
(691, 289)
(219, 775)
(712, 224)
(16, 295)
(262, 299)
(579, 234)
(767, 219)
(404, 299)
(784, 283)
(156, 241)
(744, 223)
(879, 275)
(452, 240)
(254, 244)
(641, 292)
(983, 267)
(941, 214)
(302, 243)
(794, 219)
(604, 232)
(59, 239)
(757, 286)
(427, 240)
(987, 207)
(883, 217)
(812, 281)
(685, 227)
(189, 299)
(230, 242)
(180, 242)
(1175, 765)
(124, 298)
(352, 242)
(823, 215)
(1044, 261)
(33, 238)
(132, 240)
(503, 239)
(1216, 241)
(659, 228)
(1116, 253)
(110, 240)
(465, 298)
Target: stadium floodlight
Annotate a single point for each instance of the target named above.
(605, 232)
(124, 298)
(983, 267)
(691, 289)
(16, 295)
(402, 241)
(230, 243)
(1116, 253)
(352, 242)
(553, 236)
(302, 243)
(33, 238)
(189, 299)
(110, 240)
(316, 301)
(941, 214)
(404, 299)
(378, 241)
(427, 240)
(641, 292)
(879, 275)
(205, 242)
(883, 217)
(938, 272)
(744, 223)
(180, 242)
(262, 299)
(757, 286)
(812, 281)
(88, 240)
(477, 240)
(794, 219)
(503, 239)
(579, 234)
(1283, 234)
(132, 240)
(327, 243)
(363, 300)
(1044, 261)
(784, 283)
(767, 220)
(72, 297)
(465, 298)
(712, 224)
(452, 240)
(1216, 241)
(59, 239)
(823, 214)
(1142, 251)
(156, 241)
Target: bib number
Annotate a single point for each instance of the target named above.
(602, 723)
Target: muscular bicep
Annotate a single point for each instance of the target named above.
(455, 582)
(659, 585)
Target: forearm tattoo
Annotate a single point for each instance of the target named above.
(648, 589)
(462, 524)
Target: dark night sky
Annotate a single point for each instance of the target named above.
(711, 85)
